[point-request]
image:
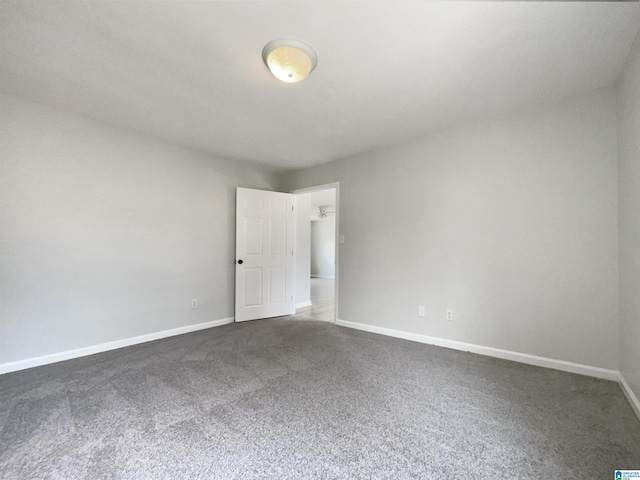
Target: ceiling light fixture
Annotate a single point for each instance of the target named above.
(289, 60)
(324, 212)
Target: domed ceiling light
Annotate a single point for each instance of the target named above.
(289, 60)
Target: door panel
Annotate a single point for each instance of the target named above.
(252, 287)
(253, 236)
(277, 282)
(264, 254)
(278, 236)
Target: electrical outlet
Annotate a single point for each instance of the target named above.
(421, 310)
(449, 315)
(194, 303)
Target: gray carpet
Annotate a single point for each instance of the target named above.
(290, 399)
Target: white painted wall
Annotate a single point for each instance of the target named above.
(107, 234)
(323, 247)
(510, 222)
(628, 97)
(303, 249)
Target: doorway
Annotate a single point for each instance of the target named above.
(316, 276)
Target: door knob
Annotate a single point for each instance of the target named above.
(240, 262)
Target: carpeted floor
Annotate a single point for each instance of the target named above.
(286, 399)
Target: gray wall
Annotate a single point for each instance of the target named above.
(323, 247)
(303, 248)
(629, 217)
(512, 223)
(106, 234)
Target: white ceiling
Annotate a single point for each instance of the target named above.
(192, 72)
(323, 198)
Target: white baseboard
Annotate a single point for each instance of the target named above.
(323, 276)
(103, 347)
(633, 400)
(489, 351)
(303, 304)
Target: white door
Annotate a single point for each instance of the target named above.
(264, 254)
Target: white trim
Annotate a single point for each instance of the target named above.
(633, 400)
(489, 351)
(103, 347)
(317, 188)
(323, 276)
(303, 304)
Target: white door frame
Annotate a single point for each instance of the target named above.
(328, 186)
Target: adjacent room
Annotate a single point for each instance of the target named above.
(316, 254)
(338, 240)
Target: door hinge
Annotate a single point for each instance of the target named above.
(292, 208)
(291, 252)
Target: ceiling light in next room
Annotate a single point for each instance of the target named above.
(289, 60)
